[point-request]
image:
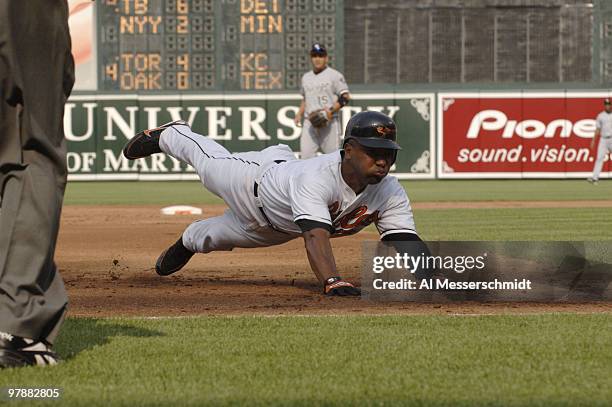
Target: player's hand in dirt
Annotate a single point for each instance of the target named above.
(337, 286)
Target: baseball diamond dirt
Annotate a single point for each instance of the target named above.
(107, 254)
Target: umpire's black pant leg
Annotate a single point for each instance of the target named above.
(36, 75)
(33, 300)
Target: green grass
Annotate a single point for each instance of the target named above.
(438, 224)
(547, 360)
(166, 193)
(507, 190)
(138, 193)
(575, 224)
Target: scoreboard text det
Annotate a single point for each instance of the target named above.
(212, 45)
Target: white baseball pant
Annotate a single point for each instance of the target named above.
(604, 146)
(326, 139)
(231, 177)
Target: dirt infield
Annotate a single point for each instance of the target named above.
(106, 256)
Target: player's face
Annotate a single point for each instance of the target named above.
(318, 61)
(608, 108)
(374, 163)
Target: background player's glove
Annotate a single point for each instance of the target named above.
(337, 286)
(319, 118)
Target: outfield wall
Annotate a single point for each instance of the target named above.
(486, 134)
(97, 126)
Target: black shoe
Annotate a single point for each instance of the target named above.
(173, 258)
(16, 351)
(146, 142)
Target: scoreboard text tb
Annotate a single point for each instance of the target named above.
(152, 45)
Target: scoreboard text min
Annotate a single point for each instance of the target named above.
(152, 45)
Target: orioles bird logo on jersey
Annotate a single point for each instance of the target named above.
(334, 210)
(352, 222)
(385, 131)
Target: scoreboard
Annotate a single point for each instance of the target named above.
(213, 45)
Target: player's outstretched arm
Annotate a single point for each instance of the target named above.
(320, 254)
(323, 264)
(411, 244)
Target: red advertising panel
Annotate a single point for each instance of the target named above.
(518, 135)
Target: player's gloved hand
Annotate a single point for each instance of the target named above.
(337, 286)
(318, 118)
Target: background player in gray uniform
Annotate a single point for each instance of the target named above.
(324, 91)
(604, 130)
(274, 198)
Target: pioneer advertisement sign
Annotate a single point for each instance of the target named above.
(518, 135)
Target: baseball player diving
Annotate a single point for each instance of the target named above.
(603, 125)
(324, 92)
(274, 198)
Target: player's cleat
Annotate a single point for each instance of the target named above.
(173, 258)
(593, 181)
(146, 142)
(337, 286)
(16, 351)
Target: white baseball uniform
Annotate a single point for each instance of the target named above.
(321, 91)
(604, 125)
(268, 191)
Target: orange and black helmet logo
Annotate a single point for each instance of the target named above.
(385, 131)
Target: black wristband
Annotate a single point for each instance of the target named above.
(343, 100)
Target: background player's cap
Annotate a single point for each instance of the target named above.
(373, 130)
(318, 49)
(606, 101)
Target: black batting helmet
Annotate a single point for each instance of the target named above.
(373, 130)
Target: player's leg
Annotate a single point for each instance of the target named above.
(210, 159)
(190, 147)
(608, 152)
(180, 142)
(602, 150)
(229, 176)
(269, 154)
(205, 155)
(226, 175)
(330, 141)
(221, 233)
(309, 143)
